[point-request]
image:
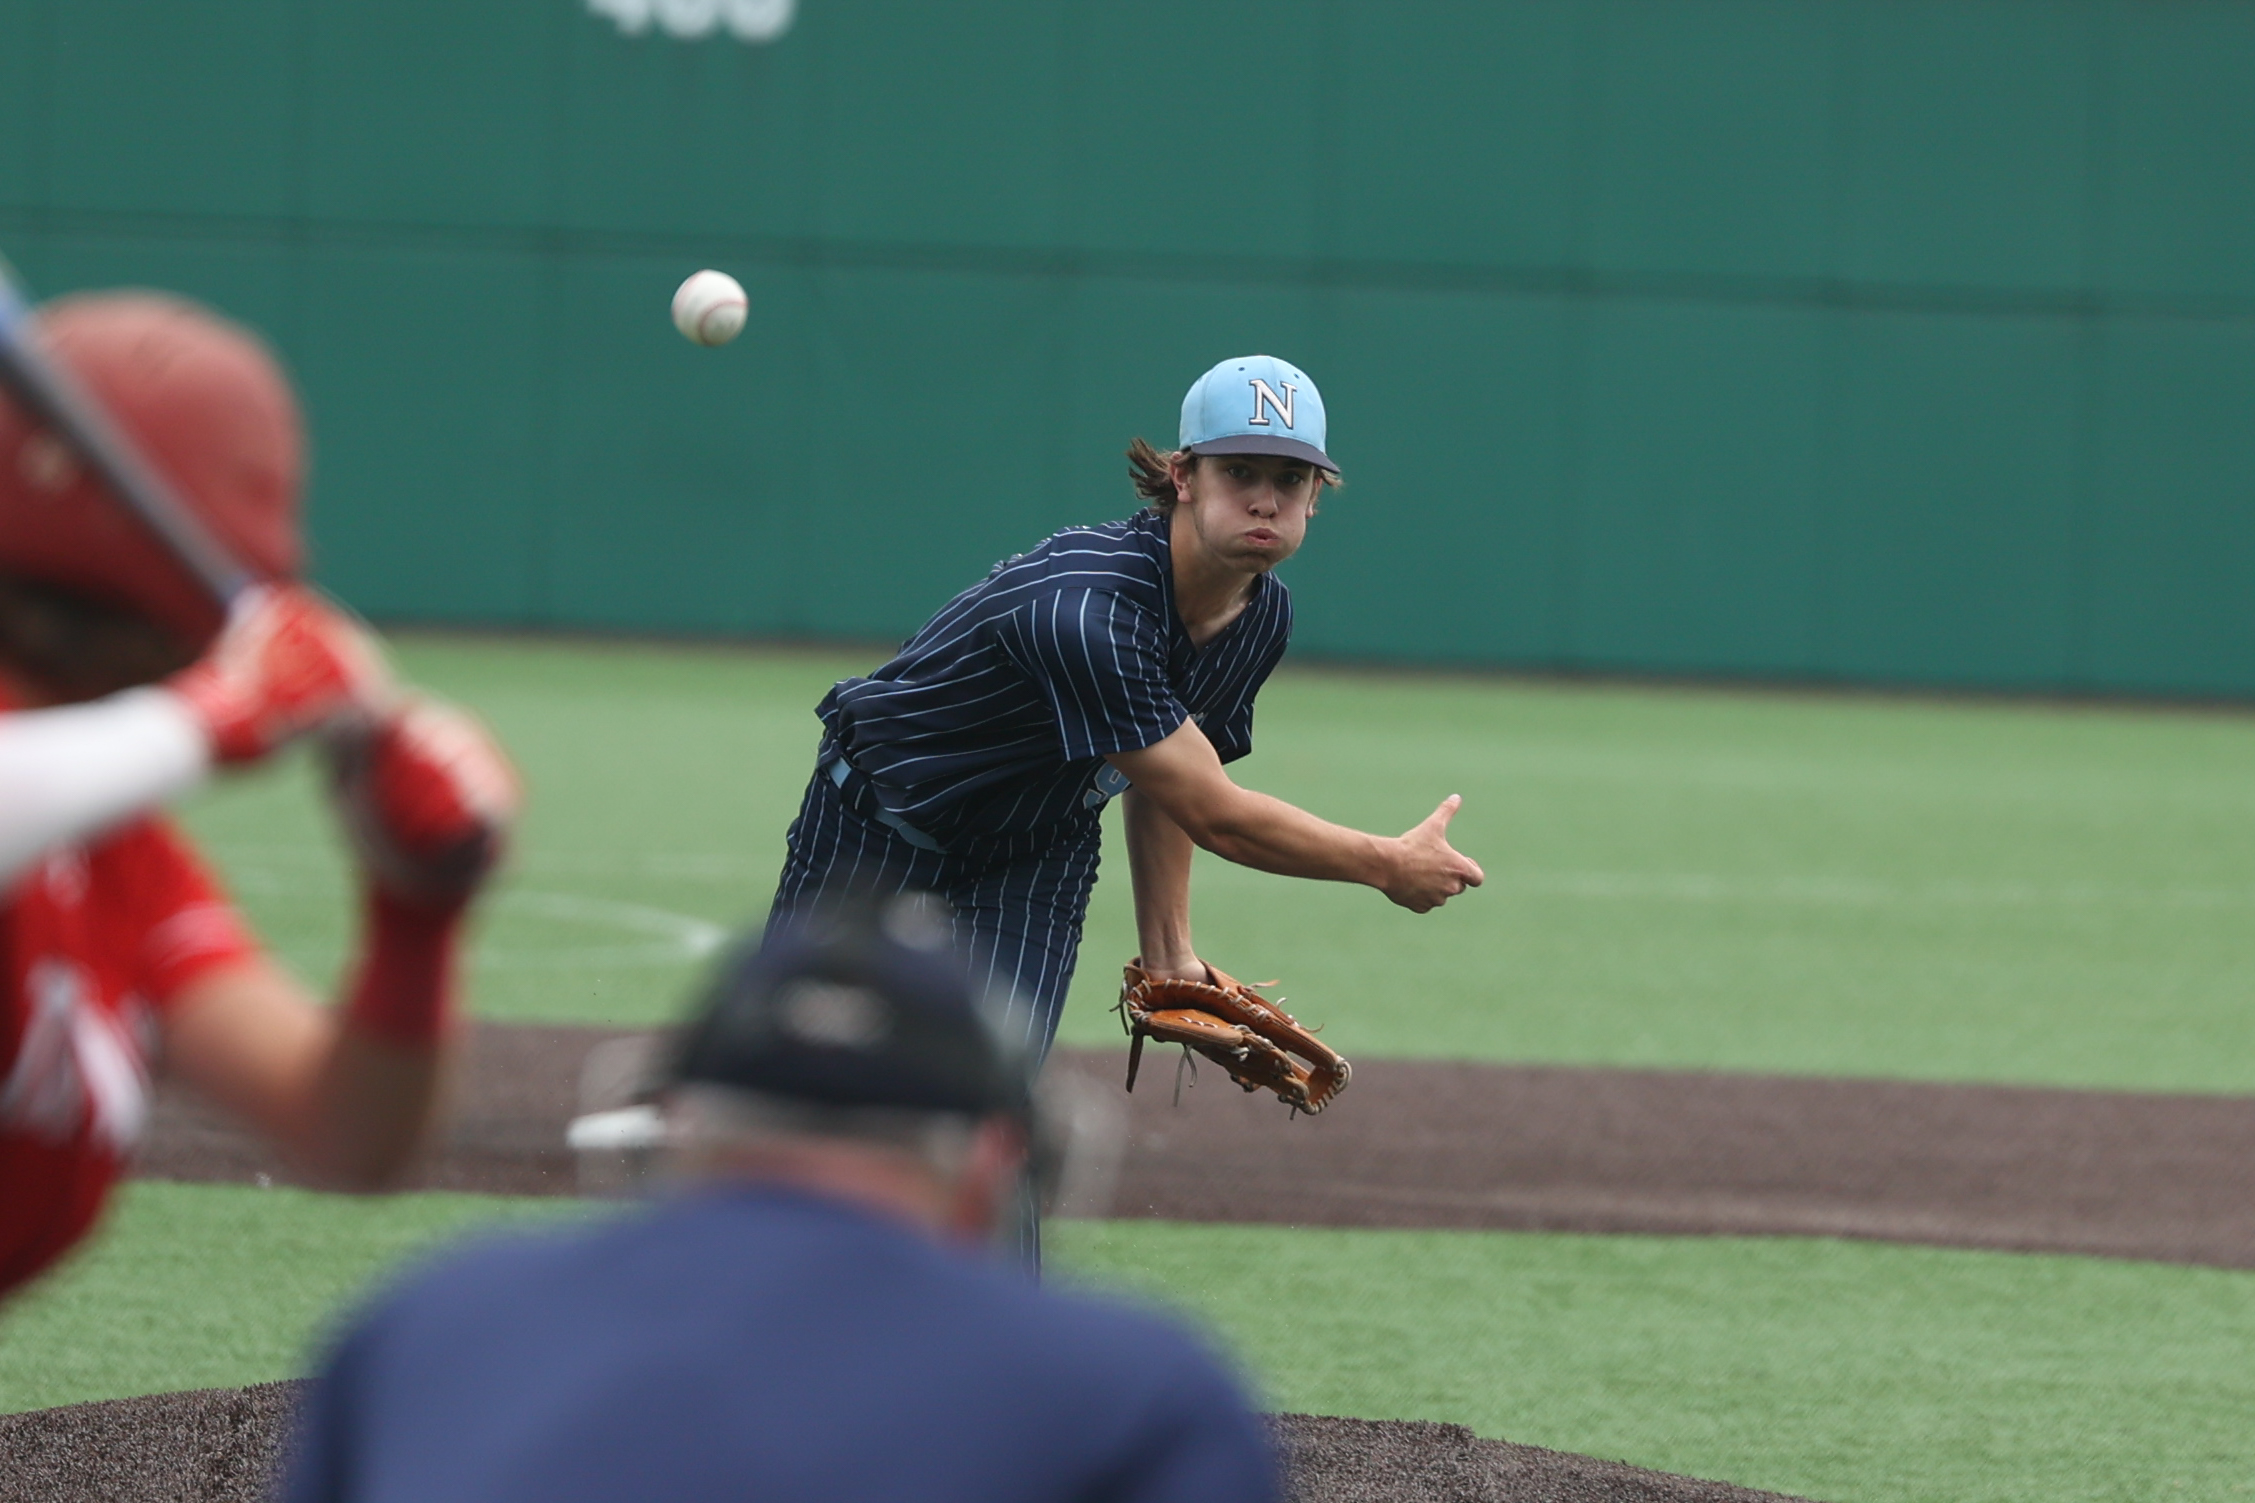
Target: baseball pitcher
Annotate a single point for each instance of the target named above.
(1119, 660)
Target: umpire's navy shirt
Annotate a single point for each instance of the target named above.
(763, 1344)
(996, 717)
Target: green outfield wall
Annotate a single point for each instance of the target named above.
(1880, 339)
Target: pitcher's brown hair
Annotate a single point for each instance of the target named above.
(1148, 472)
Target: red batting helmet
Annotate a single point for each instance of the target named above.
(208, 406)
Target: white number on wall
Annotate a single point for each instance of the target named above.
(747, 20)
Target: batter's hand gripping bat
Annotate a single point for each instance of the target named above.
(54, 397)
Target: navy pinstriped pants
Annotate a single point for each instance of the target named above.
(1018, 900)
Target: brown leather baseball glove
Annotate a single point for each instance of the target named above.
(1262, 1046)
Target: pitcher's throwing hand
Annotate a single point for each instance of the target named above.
(1432, 871)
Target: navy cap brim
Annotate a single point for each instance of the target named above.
(1262, 443)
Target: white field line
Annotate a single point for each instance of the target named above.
(666, 938)
(675, 937)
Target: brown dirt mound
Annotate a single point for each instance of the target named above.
(212, 1445)
(505, 1135)
(222, 1445)
(1329, 1460)
(1436, 1144)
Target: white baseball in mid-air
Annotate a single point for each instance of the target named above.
(709, 308)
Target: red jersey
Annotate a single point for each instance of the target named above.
(96, 941)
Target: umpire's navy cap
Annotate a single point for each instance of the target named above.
(856, 1004)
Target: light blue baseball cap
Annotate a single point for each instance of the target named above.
(1256, 404)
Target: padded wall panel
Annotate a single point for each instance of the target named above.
(24, 80)
(1558, 265)
(172, 109)
(1971, 143)
(253, 281)
(2179, 167)
(431, 112)
(26, 250)
(1449, 133)
(1702, 437)
(1727, 168)
(1451, 423)
(1948, 548)
(680, 498)
(971, 152)
(666, 135)
(1194, 129)
(425, 375)
(2173, 526)
(934, 408)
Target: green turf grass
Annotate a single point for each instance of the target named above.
(1808, 884)
(1840, 1371)
(660, 780)
(1856, 1372)
(206, 1286)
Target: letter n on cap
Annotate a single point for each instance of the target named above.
(1265, 400)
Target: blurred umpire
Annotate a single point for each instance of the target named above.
(814, 1312)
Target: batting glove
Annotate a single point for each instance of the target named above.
(287, 665)
(427, 797)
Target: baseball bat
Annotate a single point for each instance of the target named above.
(56, 399)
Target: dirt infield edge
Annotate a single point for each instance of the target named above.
(225, 1445)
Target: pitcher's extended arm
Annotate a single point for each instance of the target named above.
(1184, 777)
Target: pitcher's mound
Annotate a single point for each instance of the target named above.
(209, 1445)
(1417, 1461)
(221, 1445)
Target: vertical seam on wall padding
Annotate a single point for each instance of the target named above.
(296, 218)
(1056, 465)
(1064, 273)
(1073, 263)
(42, 118)
(1323, 311)
(1061, 33)
(1833, 299)
(544, 483)
(1576, 315)
(2090, 353)
(811, 250)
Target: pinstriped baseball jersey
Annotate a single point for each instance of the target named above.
(982, 744)
(995, 718)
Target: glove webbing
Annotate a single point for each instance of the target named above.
(1259, 1044)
